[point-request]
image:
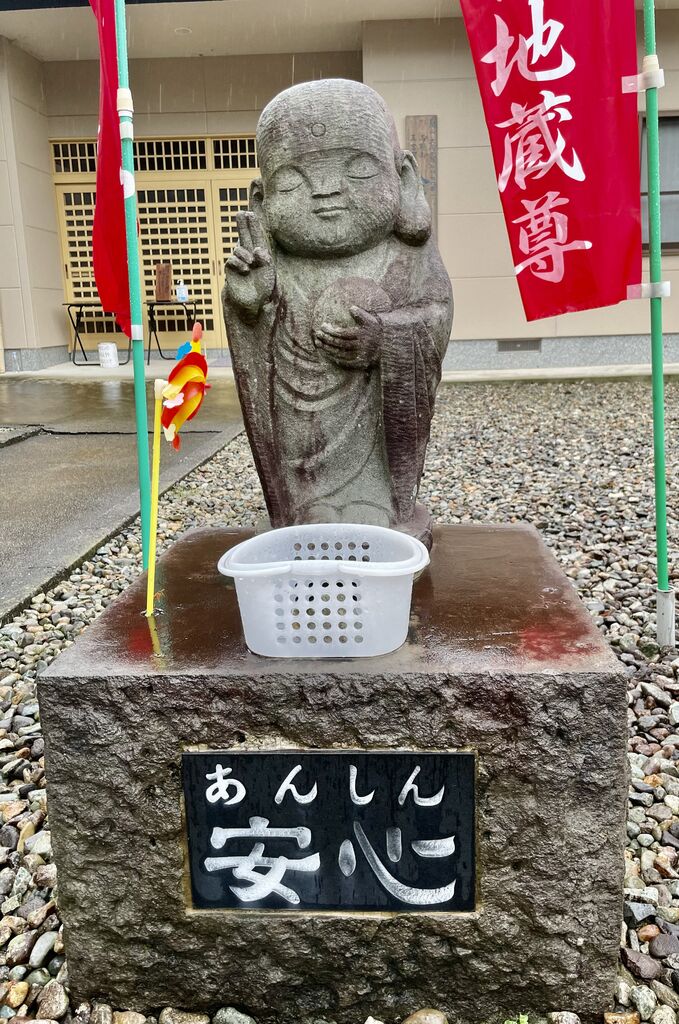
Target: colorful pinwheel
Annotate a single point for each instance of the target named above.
(185, 389)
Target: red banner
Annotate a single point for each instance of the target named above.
(109, 249)
(565, 141)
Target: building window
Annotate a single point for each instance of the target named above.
(669, 182)
(234, 154)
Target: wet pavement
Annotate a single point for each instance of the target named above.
(69, 485)
(100, 406)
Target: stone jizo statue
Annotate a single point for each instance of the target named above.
(338, 311)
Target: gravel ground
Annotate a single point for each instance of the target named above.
(574, 460)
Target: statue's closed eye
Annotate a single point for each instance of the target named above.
(363, 166)
(288, 179)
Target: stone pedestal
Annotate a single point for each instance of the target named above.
(501, 659)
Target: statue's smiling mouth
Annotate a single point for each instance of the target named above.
(329, 211)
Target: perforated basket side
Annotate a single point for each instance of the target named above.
(324, 616)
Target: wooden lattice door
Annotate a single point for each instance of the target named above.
(176, 227)
(76, 213)
(188, 192)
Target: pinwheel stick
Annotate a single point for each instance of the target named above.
(158, 387)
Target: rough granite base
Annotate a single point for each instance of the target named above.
(501, 658)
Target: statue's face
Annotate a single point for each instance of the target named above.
(332, 203)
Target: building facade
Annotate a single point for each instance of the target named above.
(200, 74)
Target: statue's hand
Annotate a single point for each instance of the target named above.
(356, 347)
(250, 273)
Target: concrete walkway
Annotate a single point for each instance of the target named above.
(219, 366)
(78, 405)
(72, 482)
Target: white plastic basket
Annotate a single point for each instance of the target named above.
(326, 590)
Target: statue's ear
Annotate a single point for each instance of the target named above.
(413, 223)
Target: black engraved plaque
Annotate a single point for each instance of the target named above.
(331, 830)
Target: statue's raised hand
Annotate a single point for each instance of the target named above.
(250, 273)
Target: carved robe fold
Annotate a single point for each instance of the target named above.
(338, 444)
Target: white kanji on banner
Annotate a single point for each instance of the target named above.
(566, 161)
(534, 147)
(529, 52)
(543, 236)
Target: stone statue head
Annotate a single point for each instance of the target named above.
(335, 180)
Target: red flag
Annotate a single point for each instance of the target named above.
(565, 142)
(109, 246)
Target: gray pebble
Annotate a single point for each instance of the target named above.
(40, 977)
(55, 965)
(664, 1015)
(128, 1017)
(19, 948)
(40, 844)
(229, 1015)
(43, 946)
(666, 994)
(101, 1014)
(171, 1016)
(53, 1001)
(9, 837)
(645, 1001)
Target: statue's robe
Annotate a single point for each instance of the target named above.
(332, 443)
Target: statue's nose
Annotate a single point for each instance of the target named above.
(325, 186)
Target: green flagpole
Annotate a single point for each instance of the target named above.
(665, 595)
(125, 114)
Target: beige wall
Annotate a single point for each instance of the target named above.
(420, 67)
(425, 67)
(195, 96)
(11, 305)
(30, 257)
